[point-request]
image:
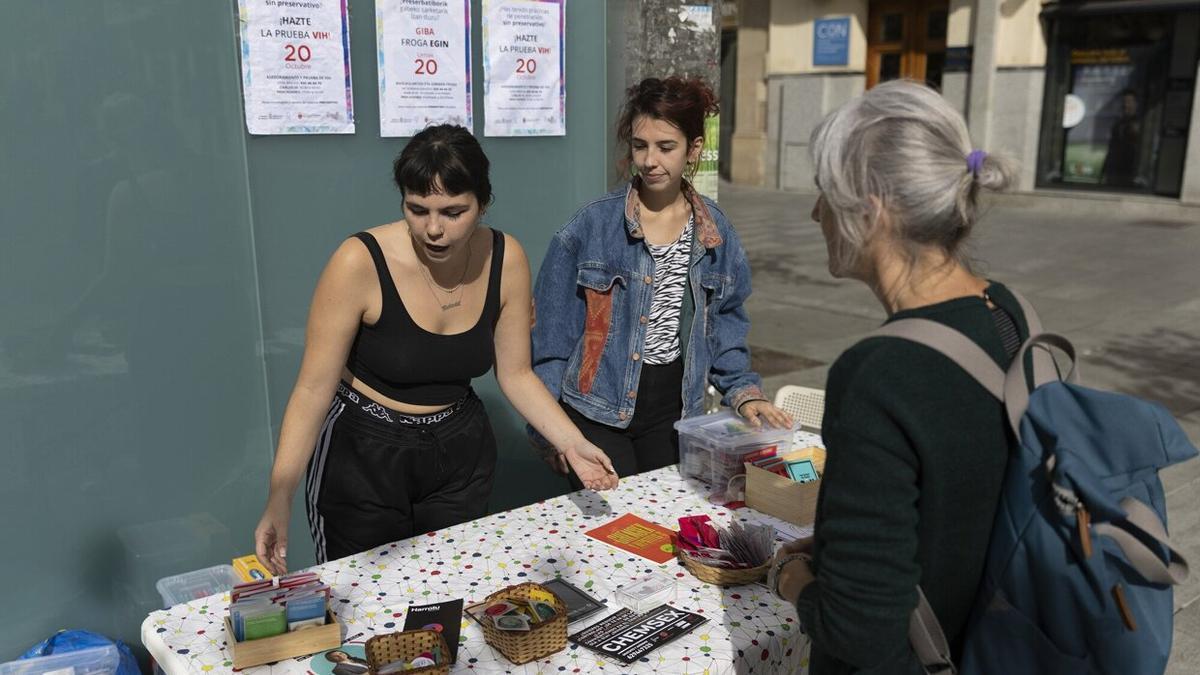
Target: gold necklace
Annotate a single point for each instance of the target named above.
(449, 293)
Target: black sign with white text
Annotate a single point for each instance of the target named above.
(627, 637)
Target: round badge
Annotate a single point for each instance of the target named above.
(421, 662)
(433, 626)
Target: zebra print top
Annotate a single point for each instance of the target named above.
(670, 283)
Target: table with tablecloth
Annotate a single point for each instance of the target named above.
(749, 630)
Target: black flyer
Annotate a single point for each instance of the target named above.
(443, 617)
(627, 637)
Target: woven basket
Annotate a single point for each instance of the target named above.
(408, 645)
(722, 576)
(542, 639)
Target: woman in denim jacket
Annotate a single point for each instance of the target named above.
(640, 298)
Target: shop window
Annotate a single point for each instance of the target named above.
(1118, 101)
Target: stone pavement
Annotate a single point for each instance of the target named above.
(1121, 280)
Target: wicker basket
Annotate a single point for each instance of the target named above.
(723, 576)
(542, 639)
(408, 645)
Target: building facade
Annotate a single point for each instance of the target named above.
(1088, 95)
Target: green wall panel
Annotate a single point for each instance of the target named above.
(133, 414)
(156, 264)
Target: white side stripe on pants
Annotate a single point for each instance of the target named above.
(316, 471)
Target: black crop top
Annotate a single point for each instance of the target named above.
(405, 362)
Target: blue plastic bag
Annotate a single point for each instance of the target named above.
(73, 640)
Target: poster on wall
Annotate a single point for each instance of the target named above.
(296, 66)
(424, 49)
(524, 83)
(705, 181)
(1103, 117)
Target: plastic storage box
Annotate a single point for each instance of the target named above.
(92, 661)
(712, 448)
(645, 593)
(190, 586)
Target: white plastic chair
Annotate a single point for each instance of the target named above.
(805, 404)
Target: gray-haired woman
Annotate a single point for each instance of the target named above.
(916, 448)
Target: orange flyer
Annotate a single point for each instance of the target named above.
(638, 536)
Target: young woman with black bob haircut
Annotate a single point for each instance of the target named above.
(640, 299)
(917, 449)
(404, 316)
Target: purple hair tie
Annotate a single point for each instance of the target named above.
(975, 162)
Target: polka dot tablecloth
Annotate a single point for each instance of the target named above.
(748, 630)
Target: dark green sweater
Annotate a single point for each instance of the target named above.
(916, 456)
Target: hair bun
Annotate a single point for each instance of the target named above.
(996, 172)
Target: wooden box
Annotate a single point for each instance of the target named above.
(782, 497)
(285, 646)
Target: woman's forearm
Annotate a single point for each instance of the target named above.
(297, 437)
(533, 401)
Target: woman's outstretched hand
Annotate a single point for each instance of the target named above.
(594, 468)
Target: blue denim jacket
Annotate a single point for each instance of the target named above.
(592, 300)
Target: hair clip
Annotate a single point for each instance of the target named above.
(975, 162)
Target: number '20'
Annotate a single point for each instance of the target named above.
(294, 53)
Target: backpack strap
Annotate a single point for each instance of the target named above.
(1141, 523)
(927, 639)
(1016, 388)
(1044, 369)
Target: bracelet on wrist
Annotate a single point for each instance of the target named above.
(776, 570)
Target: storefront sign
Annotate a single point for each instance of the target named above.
(524, 87)
(296, 66)
(958, 60)
(424, 49)
(831, 42)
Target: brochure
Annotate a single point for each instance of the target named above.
(443, 617)
(638, 536)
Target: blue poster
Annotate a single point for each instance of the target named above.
(831, 42)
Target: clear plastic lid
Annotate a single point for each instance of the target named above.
(729, 429)
(190, 586)
(92, 661)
